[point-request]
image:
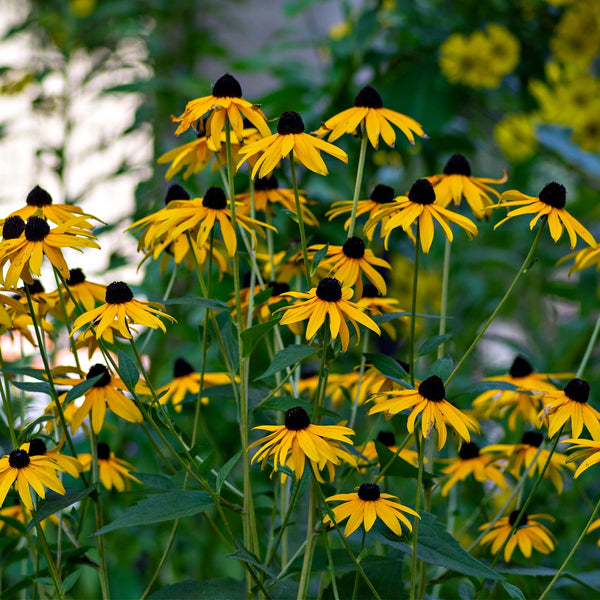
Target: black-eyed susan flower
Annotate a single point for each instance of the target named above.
(483, 467)
(570, 404)
(86, 293)
(582, 259)
(419, 206)
(290, 137)
(520, 456)
(329, 298)
(551, 204)
(368, 451)
(589, 450)
(372, 301)
(457, 182)
(348, 264)
(529, 534)
(24, 470)
(25, 244)
(107, 392)
(225, 102)
(428, 400)
(368, 504)
(63, 462)
(283, 266)
(368, 111)
(297, 440)
(114, 472)
(120, 310)
(43, 302)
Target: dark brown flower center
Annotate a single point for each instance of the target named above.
(457, 165)
(37, 447)
(76, 276)
(354, 247)
(13, 228)
(468, 450)
(422, 192)
(329, 289)
(382, 194)
(296, 418)
(38, 197)
(227, 86)
(532, 438)
(278, 287)
(520, 367)
(369, 492)
(99, 369)
(103, 451)
(368, 97)
(514, 516)
(36, 229)
(387, 438)
(215, 198)
(554, 194)
(182, 368)
(290, 122)
(18, 459)
(118, 292)
(35, 288)
(432, 389)
(264, 184)
(577, 390)
(176, 192)
(370, 291)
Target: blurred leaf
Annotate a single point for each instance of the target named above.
(287, 357)
(208, 589)
(244, 555)
(226, 470)
(388, 367)
(211, 303)
(82, 388)
(40, 387)
(55, 502)
(128, 370)
(317, 258)
(442, 367)
(253, 335)
(513, 591)
(433, 343)
(70, 580)
(207, 465)
(156, 480)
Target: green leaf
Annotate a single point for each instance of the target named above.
(55, 502)
(244, 555)
(442, 367)
(385, 317)
(291, 214)
(211, 303)
(225, 470)
(156, 480)
(128, 370)
(70, 580)
(42, 387)
(466, 591)
(253, 335)
(229, 338)
(433, 343)
(158, 508)
(513, 591)
(207, 464)
(486, 386)
(317, 258)
(287, 357)
(399, 467)
(82, 388)
(39, 374)
(286, 402)
(388, 367)
(209, 589)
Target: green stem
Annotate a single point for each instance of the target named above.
(358, 183)
(300, 221)
(444, 307)
(361, 373)
(589, 349)
(413, 311)
(6, 403)
(415, 534)
(356, 577)
(309, 546)
(56, 580)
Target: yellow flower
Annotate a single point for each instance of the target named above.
(576, 38)
(328, 298)
(529, 534)
(368, 504)
(505, 49)
(515, 134)
(225, 102)
(457, 182)
(466, 60)
(114, 472)
(298, 439)
(373, 302)
(586, 132)
(593, 526)
(550, 203)
(290, 137)
(589, 450)
(120, 310)
(418, 206)
(86, 293)
(428, 400)
(64, 463)
(368, 111)
(368, 451)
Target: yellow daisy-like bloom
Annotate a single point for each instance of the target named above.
(369, 112)
(328, 298)
(457, 182)
(349, 262)
(524, 402)
(43, 302)
(298, 439)
(593, 526)
(582, 259)
(589, 450)
(113, 471)
(428, 400)
(368, 504)
(63, 462)
(571, 404)
(420, 205)
(469, 461)
(369, 450)
(290, 137)
(287, 264)
(529, 534)
(24, 470)
(86, 293)
(515, 134)
(195, 156)
(373, 302)
(120, 310)
(551, 204)
(225, 102)
(25, 244)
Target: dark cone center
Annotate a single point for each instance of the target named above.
(37, 447)
(432, 389)
(532, 438)
(468, 450)
(118, 292)
(369, 492)
(296, 418)
(36, 229)
(520, 367)
(382, 194)
(99, 369)
(227, 86)
(368, 97)
(264, 184)
(176, 192)
(290, 122)
(76, 276)
(329, 289)
(103, 451)
(457, 165)
(554, 194)
(513, 518)
(354, 247)
(422, 192)
(215, 198)
(387, 438)
(181, 368)
(38, 197)
(13, 228)
(278, 287)
(370, 291)
(35, 288)
(577, 390)
(18, 459)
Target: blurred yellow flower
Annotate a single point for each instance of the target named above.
(515, 134)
